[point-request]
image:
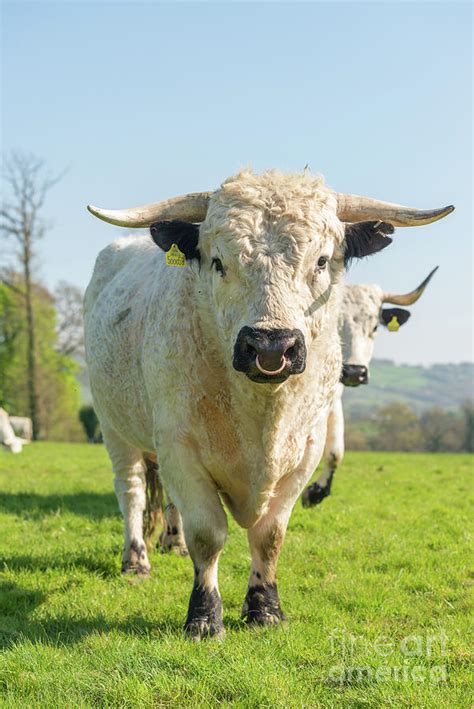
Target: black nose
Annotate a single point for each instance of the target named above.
(354, 374)
(269, 356)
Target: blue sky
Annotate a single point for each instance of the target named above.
(142, 101)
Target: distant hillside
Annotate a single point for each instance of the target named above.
(444, 385)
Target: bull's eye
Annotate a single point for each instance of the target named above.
(322, 261)
(217, 263)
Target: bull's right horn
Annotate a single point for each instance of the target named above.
(412, 297)
(353, 208)
(189, 207)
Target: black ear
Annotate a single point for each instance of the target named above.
(400, 314)
(365, 238)
(183, 234)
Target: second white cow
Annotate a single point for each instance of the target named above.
(362, 313)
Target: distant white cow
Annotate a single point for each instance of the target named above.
(22, 426)
(8, 439)
(361, 314)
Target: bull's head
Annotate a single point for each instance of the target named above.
(268, 251)
(361, 314)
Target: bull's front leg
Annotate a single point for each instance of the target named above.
(262, 603)
(205, 530)
(333, 455)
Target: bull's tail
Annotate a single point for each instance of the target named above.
(153, 515)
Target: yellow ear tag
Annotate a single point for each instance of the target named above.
(175, 257)
(394, 325)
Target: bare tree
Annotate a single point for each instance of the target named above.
(27, 184)
(70, 330)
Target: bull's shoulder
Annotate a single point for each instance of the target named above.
(127, 252)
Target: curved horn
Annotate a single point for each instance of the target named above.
(189, 207)
(412, 297)
(352, 208)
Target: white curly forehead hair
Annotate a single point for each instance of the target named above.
(290, 209)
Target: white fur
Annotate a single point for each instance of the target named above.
(160, 341)
(22, 426)
(360, 316)
(10, 441)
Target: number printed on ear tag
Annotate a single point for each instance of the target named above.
(393, 325)
(175, 257)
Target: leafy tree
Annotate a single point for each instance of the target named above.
(442, 430)
(398, 429)
(468, 411)
(57, 390)
(11, 324)
(355, 437)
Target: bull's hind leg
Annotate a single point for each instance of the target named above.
(172, 536)
(129, 470)
(333, 455)
(262, 603)
(153, 514)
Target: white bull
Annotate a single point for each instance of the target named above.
(362, 312)
(8, 439)
(227, 367)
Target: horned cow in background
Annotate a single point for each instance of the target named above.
(226, 368)
(362, 313)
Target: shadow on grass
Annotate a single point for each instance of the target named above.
(33, 506)
(21, 599)
(105, 566)
(67, 631)
(16, 603)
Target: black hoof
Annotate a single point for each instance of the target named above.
(262, 606)
(315, 494)
(204, 615)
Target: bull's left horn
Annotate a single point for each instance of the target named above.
(353, 208)
(412, 297)
(189, 207)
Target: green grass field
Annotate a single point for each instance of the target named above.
(375, 584)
